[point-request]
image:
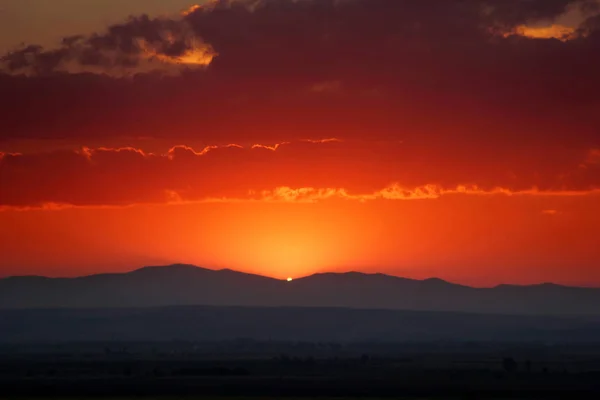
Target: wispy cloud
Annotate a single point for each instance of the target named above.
(398, 192)
(89, 152)
(554, 31)
(309, 195)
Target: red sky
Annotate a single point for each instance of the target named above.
(451, 139)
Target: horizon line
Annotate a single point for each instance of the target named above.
(285, 280)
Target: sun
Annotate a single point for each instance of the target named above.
(289, 279)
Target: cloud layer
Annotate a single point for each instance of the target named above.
(303, 171)
(425, 94)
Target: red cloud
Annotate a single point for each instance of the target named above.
(308, 195)
(415, 92)
(318, 169)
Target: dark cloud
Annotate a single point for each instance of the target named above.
(140, 45)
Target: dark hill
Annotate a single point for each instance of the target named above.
(189, 285)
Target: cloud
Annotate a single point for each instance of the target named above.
(190, 10)
(3, 154)
(275, 30)
(310, 195)
(416, 92)
(554, 31)
(302, 195)
(247, 70)
(398, 192)
(303, 171)
(514, 13)
(140, 45)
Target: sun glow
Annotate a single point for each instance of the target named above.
(190, 10)
(198, 54)
(560, 32)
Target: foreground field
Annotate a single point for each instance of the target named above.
(270, 370)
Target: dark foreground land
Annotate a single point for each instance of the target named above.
(208, 352)
(247, 368)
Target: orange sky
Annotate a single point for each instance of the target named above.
(378, 136)
(470, 239)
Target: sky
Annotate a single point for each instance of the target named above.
(455, 139)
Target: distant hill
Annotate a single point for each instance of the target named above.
(178, 285)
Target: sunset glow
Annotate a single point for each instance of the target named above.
(559, 32)
(197, 55)
(287, 138)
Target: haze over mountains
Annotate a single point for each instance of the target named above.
(179, 285)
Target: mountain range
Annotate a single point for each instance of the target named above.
(185, 285)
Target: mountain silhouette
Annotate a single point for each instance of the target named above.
(179, 285)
